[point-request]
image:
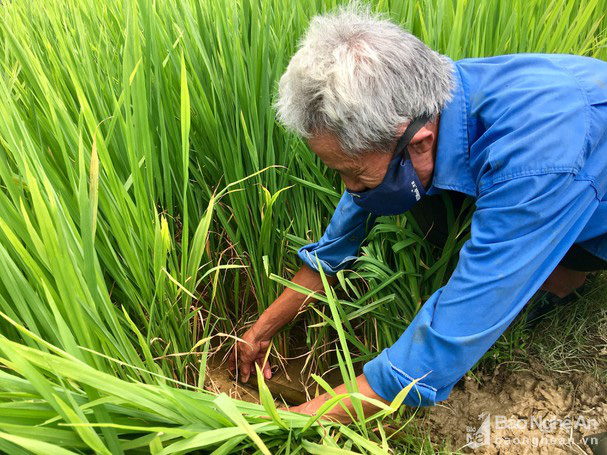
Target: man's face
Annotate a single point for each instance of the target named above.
(359, 173)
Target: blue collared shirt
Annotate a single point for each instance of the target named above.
(526, 135)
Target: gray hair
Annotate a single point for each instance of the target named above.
(360, 77)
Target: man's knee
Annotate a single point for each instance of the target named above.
(563, 281)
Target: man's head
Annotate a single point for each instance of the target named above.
(353, 86)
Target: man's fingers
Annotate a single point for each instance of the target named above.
(243, 357)
(245, 371)
(267, 371)
(238, 357)
(266, 368)
(232, 360)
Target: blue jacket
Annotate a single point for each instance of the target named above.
(526, 135)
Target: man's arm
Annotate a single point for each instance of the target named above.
(335, 250)
(520, 231)
(338, 412)
(282, 311)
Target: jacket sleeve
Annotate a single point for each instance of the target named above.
(521, 230)
(338, 247)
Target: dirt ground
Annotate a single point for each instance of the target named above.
(508, 412)
(520, 412)
(291, 384)
(219, 380)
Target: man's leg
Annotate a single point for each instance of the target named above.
(571, 273)
(563, 281)
(431, 216)
(568, 276)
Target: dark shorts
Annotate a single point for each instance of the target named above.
(431, 216)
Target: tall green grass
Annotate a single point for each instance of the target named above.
(150, 205)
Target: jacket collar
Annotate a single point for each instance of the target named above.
(452, 166)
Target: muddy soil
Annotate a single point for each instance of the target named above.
(506, 412)
(522, 412)
(291, 382)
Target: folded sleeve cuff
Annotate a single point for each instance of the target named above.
(387, 381)
(309, 255)
(339, 245)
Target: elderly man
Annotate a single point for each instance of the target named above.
(525, 135)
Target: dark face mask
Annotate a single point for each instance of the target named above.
(400, 189)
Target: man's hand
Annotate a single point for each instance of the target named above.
(252, 349)
(282, 311)
(338, 413)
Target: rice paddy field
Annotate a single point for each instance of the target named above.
(151, 207)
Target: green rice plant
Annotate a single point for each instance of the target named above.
(51, 391)
(409, 268)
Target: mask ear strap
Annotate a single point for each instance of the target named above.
(411, 130)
